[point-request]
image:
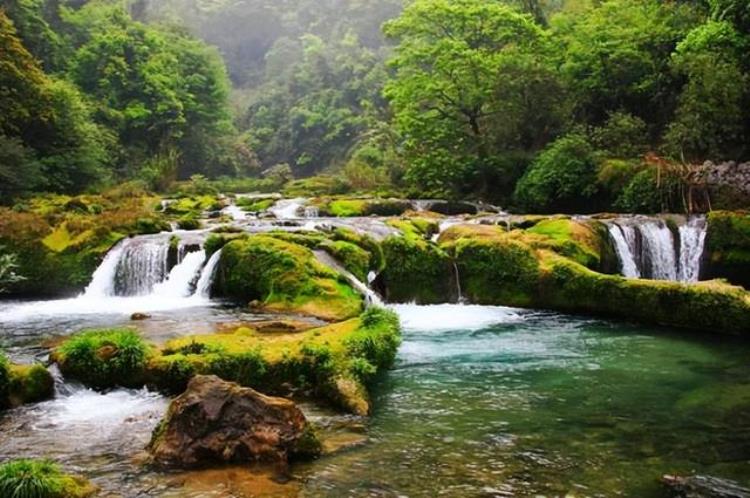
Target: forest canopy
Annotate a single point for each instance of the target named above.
(567, 105)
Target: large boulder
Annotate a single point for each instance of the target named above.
(218, 421)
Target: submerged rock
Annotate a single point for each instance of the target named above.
(704, 487)
(218, 421)
(139, 316)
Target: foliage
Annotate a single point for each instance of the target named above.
(39, 479)
(104, 358)
(563, 178)
(8, 270)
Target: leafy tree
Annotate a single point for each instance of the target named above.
(459, 66)
(710, 119)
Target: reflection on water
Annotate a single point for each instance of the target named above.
(483, 402)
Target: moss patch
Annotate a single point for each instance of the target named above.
(30, 384)
(335, 362)
(283, 276)
(417, 270)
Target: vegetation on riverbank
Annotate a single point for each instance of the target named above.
(335, 362)
(40, 479)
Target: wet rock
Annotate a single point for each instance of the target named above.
(218, 421)
(703, 487)
(139, 316)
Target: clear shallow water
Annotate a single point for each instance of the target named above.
(483, 402)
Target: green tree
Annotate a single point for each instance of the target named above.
(470, 80)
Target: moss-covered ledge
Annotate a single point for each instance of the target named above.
(335, 363)
(282, 276)
(22, 384)
(728, 246)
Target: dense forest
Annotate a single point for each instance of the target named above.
(574, 105)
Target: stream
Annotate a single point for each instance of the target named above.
(483, 402)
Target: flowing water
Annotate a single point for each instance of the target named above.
(648, 248)
(482, 402)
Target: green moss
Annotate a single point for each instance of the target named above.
(189, 222)
(317, 185)
(30, 384)
(367, 243)
(104, 358)
(310, 240)
(416, 270)
(573, 239)
(499, 270)
(347, 208)
(419, 228)
(728, 246)
(194, 205)
(254, 205)
(366, 206)
(355, 259)
(708, 306)
(284, 276)
(333, 362)
(40, 479)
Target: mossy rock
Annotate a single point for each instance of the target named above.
(41, 479)
(30, 384)
(707, 306)
(728, 247)
(336, 362)
(417, 270)
(104, 358)
(251, 205)
(283, 276)
(366, 243)
(353, 207)
(189, 222)
(497, 270)
(355, 259)
(576, 240)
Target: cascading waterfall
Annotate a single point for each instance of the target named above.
(143, 264)
(180, 281)
(692, 245)
(371, 297)
(203, 287)
(648, 248)
(457, 275)
(103, 281)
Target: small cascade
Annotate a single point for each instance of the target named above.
(103, 281)
(648, 248)
(692, 244)
(312, 212)
(371, 297)
(459, 292)
(287, 208)
(180, 281)
(203, 287)
(624, 252)
(142, 264)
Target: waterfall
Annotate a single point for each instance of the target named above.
(692, 243)
(180, 281)
(312, 212)
(458, 283)
(103, 281)
(143, 264)
(647, 248)
(287, 208)
(624, 252)
(203, 288)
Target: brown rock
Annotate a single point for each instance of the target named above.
(139, 316)
(218, 421)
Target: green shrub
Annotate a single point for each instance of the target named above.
(39, 479)
(562, 178)
(105, 358)
(189, 222)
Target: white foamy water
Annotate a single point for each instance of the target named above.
(203, 287)
(287, 208)
(442, 317)
(235, 212)
(180, 279)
